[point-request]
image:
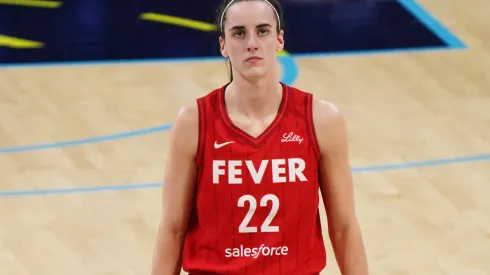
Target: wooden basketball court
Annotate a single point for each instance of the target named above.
(420, 145)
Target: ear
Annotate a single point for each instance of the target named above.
(280, 41)
(222, 49)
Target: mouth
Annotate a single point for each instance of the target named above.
(253, 59)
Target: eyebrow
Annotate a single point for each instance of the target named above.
(257, 27)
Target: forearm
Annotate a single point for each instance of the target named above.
(167, 253)
(349, 251)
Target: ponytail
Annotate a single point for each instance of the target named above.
(231, 72)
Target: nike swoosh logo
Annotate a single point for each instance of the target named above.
(216, 145)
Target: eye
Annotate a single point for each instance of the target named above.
(239, 33)
(263, 31)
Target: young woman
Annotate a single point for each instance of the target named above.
(246, 163)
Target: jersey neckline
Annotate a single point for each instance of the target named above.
(246, 136)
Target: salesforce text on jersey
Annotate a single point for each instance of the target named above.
(263, 250)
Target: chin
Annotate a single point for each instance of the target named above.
(254, 72)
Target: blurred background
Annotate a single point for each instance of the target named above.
(79, 30)
(82, 148)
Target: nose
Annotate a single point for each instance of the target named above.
(252, 44)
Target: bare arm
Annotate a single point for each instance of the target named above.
(178, 187)
(337, 189)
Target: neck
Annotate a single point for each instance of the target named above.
(255, 98)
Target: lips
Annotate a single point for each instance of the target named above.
(253, 58)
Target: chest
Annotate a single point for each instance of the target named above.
(285, 141)
(253, 127)
(284, 155)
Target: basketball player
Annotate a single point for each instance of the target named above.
(246, 163)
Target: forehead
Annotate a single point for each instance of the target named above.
(250, 13)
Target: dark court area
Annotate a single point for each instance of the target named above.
(90, 30)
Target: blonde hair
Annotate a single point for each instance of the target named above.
(233, 1)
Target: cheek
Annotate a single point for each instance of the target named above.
(233, 48)
(272, 45)
(271, 41)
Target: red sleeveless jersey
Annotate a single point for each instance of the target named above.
(256, 208)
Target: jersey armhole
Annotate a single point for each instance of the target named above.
(311, 125)
(201, 107)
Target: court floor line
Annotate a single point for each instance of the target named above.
(153, 185)
(290, 69)
(289, 76)
(432, 23)
(69, 143)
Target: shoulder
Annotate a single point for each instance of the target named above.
(330, 125)
(188, 114)
(326, 112)
(184, 135)
(188, 128)
(187, 120)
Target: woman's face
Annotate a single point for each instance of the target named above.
(250, 38)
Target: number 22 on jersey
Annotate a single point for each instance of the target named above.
(252, 206)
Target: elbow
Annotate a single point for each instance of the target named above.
(175, 230)
(347, 229)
